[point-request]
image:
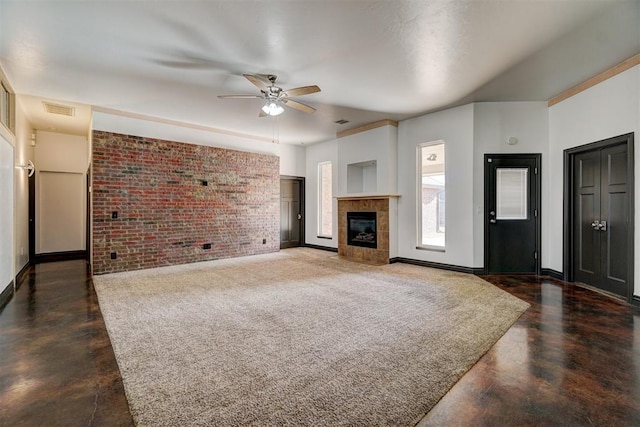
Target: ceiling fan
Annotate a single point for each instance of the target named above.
(275, 96)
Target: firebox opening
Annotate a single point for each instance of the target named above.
(361, 229)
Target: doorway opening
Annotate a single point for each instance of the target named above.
(291, 212)
(598, 215)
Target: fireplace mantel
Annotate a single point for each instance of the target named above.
(368, 197)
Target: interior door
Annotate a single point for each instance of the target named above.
(291, 213)
(60, 211)
(512, 213)
(601, 218)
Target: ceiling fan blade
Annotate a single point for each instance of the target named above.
(298, 105)
(304, 90)
(257, 81)
(185, 65)
(262, 114)
(239, 96)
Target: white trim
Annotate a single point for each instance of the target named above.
(419, 147)
(319, 201)
(171, 122)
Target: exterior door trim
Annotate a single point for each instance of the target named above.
(567, 241)
(487, 202)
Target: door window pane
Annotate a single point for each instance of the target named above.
(512, 193)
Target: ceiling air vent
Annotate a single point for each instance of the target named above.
(341, 121)
(63, 110)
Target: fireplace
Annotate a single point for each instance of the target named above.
(361, 229)
(366, 214)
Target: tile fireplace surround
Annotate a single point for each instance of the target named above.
(380, 204)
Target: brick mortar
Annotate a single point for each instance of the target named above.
(166, 214)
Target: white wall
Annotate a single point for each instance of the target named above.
(494, 124)
(317, 153)
(293, 160)
(7, 202)
(379, 144)
(24, 153)
(61, 166)
(14, 196)
(6, 209)
(606, 110)
(469, 132)
(455, 128)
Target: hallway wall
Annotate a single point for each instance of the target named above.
(6, 213)
(24, 153)
(61, 163)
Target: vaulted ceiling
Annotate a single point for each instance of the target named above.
(372, 59)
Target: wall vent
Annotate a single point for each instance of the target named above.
(63, 110)
(341, 121)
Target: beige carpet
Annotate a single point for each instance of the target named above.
(298, 337)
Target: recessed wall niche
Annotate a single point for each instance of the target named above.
(362, 177)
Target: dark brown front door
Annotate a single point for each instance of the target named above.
(601, 218)
(291, 212)
(512, 213)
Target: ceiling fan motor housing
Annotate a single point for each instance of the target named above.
(273, 92)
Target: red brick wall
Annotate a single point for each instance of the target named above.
(166, 214)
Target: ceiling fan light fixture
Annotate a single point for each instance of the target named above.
(272, 108)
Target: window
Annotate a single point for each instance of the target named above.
(431, 195)
(325, 200)
(7, 105)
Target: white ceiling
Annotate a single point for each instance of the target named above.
(372, 59)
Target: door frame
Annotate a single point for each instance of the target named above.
(537, 181)
(32, 218)
(301, 180)
(88, 222)
(568, 208)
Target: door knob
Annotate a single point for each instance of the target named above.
(602, 226)
(299, 216)
(492, 221)
(595, 225)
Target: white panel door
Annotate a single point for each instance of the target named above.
(60, 212)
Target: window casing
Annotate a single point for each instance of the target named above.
(431, 195)
(7, 103)
(325, 200)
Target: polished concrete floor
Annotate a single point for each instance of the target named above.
(572, 359)
(57, 366)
